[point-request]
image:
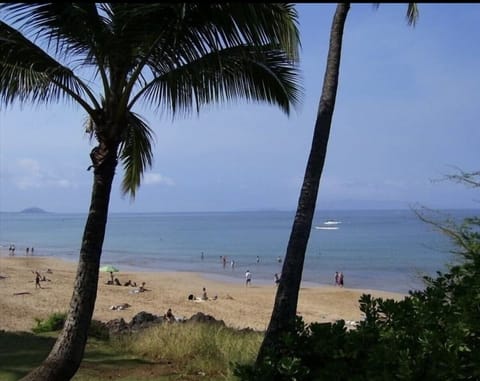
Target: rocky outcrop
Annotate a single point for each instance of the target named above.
(200, 317)
(144, 320)
(117, 326)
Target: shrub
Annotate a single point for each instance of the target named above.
(52, 323)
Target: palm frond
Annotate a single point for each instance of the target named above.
(225, 25)
(165, 36)
(135, 153)
(260, 74)
(213, 27)
(69, 28)
(265, 23)
(412, 14)
(27, 73)
(208, 26)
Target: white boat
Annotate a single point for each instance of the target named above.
(326, 227)
(332, 222)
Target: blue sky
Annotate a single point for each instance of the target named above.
(407, 113)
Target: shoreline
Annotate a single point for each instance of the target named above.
(237, 305)
(212, 270)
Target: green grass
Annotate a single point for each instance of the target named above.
(204, 349)
(171, 352)
(21, 351)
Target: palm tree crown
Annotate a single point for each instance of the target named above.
(176, 57)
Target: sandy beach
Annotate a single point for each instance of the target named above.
(238, 306)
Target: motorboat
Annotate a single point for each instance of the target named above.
(332, 222)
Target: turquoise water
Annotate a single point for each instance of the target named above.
(385, 250)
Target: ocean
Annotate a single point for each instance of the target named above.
(386, 250)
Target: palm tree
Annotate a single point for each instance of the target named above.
(176, 57)
(286, 299)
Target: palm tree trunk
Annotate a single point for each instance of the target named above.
(286, 299)
(67, 353)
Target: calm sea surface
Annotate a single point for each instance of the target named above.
(386, 250)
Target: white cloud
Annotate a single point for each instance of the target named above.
(29, 165)
(157, 178)
(28, 173)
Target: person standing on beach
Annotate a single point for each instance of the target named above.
(276, 279)
(258, 259)
(337, 278)
(202, 256)
(248, 278)
(37, 280)
(232, 264)
(224, 261)
(340, 279)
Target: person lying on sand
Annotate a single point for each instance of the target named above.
(140, 289)
(203, 298)
(117, 307)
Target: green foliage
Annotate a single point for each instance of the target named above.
(433, 334)
(52, 323)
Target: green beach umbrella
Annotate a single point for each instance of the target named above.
(109, 269)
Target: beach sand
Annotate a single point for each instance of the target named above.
(237, 305)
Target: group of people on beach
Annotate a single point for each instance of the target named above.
(248, 274)
(12, 248)
(116, 282)
(339, 278)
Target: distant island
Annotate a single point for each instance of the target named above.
(33, 210)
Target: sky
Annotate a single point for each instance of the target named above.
(406, 115)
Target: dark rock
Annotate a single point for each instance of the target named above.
(200, 317)
(117, 326)
(144, 320)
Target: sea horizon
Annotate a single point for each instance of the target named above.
(248, 210)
